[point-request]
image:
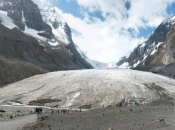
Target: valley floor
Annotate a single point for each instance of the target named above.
(159, 115)
(98, 91)
(143, 117)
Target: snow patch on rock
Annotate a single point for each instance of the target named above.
(30, 31)
(124, 65)
(6, 21)
(51, 16)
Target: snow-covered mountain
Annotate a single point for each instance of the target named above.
(100, 65)
(35, 32)
(94, 63)
(52, 17)
(26, 16)
(45, 16)
(155, 50)
(41, 20)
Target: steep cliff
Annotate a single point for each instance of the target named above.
(62, 32)
(154, 52)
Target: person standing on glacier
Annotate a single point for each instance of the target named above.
(170, 76)
(172, 103)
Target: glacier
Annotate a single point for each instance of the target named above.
(97, 88)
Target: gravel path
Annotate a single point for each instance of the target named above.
(149, 117)
(17, 123)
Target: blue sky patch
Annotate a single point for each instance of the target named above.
(97, 14)
(145, 31)
(72, 7)
(127, 5)
(171, 9)
(79, 34)
(68, 7)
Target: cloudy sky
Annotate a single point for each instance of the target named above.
(108, 29)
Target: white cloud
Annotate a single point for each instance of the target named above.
(102, 41)
(107, 40)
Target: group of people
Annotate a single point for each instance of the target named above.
(38, 110)
(62, 111)
(59, 111)
(172, 76)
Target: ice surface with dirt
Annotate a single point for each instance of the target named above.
(96, 88)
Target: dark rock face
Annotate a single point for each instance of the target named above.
(156, 49)
(21, 56)
(15, 44)
(168, 70)
(13, 70)
(77, 57)
(17, 9)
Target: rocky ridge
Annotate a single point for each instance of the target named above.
(154, 52)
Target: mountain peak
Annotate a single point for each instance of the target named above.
(155, 50)
(170, 20)
(51, 16)
(51, 13)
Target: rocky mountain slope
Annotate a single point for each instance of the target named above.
(12, 70)
(38, 36)
(154, 52)
(61, 31)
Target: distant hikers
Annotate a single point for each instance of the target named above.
(172, 103)
(38, 111)
(49, 128)
(52, 111)
(172, 76)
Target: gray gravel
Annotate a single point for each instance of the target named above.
(148, 117)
